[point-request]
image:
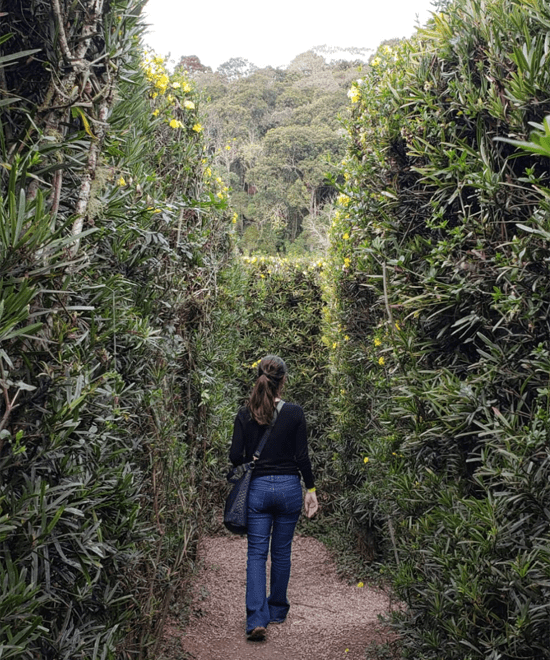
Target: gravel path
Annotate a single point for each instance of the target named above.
(328, 618)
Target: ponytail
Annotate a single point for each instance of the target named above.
(261, 403)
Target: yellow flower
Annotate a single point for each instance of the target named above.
(397, 326)
(228, 147)
(219, 194)
(208, 171)
(381, 361)
(354, 94)
(176, 123)
(377, 342)
(346, 338)
(162, 83)
(186, 87)
(335, 345)
(197, 128)
(360, 585)
(155, 113)
(176, 85)
(346, 236)
(344, 200)
(376, 61)
(234, 218)
(253, 260)
(262, 276)
(347, 262)
(366, 459)
(189, 105)
(121, 182)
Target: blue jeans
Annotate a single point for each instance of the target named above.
(274, 505)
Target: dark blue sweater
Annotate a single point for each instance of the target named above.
(286, 449)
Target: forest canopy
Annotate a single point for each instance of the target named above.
(276, 137)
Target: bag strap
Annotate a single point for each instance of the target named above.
(262, 442)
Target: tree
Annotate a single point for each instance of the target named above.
(235, 68)
(192, 65)
(274, 130)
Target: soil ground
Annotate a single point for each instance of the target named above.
(328, 619)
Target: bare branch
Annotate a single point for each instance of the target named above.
(89, 30)
(89, 175)
(62, 36)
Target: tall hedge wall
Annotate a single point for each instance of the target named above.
(267, 305)
(442, 296)
(112, 232)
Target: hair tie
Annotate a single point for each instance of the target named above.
(276, 367)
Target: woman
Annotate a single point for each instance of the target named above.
(275, 496)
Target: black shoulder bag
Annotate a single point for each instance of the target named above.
(236, 505)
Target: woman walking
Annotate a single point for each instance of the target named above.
(275, 496)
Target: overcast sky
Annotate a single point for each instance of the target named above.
(273, 33)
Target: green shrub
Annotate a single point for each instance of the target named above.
(441, 240)
(268, 305)
(109, 252)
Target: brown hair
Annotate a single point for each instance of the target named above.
(271, 374)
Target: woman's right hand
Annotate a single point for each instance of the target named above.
(311, 505)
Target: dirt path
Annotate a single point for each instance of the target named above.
(328, 618)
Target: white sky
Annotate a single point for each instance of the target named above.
(274, 33)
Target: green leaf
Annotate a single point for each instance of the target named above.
(4, 59)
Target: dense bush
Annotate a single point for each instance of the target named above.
(109, 251)
(441, 250)
(268, 305)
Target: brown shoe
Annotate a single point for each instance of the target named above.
(256, 635)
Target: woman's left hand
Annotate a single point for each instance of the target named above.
(311, 504)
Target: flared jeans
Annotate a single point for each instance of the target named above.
(274, 505)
